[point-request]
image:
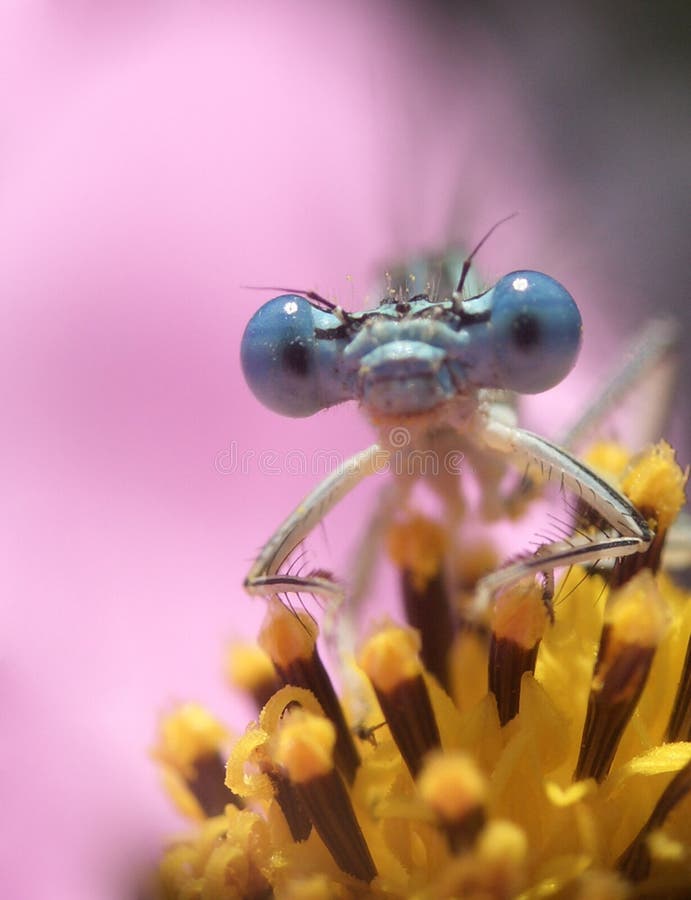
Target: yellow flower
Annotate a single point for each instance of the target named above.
(545, 754)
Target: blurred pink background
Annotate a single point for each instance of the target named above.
(154, 162)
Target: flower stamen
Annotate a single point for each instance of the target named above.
(192, 754)
(250, 670)
(391, 660)
(456, 790)
(495, 814)
(518, 623)
(418, 547)
(290, 641)
(655, 485)
(635, 862)
(306, 745)
(635, 622)
(679, 728)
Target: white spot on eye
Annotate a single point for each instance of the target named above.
(290, 307)
(520, 284)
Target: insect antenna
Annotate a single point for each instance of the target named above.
(310, 295)
(467, 262)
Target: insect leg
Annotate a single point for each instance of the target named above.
(629, 533)
(265, 577)
(391, 498)
(650, 356)
(652, 349)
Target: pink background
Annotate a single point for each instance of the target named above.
(154, 163)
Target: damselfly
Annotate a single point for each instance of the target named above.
(442, 368)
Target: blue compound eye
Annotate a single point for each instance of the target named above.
(278, 356)
(536, 331)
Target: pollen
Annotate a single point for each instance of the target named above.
(453, 785)
(520, 615)
(188, 733)
(391, 657)
(609, 459)
(655, 483)
(286, 638)
(305, 747)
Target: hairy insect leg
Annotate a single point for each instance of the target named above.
(629, 530)
(339, 619)
(265, 578)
